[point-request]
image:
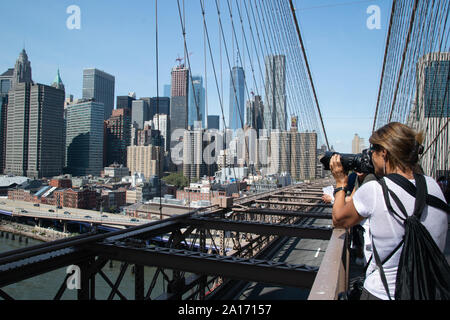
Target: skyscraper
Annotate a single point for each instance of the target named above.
(125, 101)
(161, 123)
(303, 152)
(35, 125)
(213, 122)
(140, 112)
(280, 151)
(16, 150)
(6, 81)
(22, 70)
(255, 114)
(159, 105)
(3, 118)
(5, 85)
(307, 155)
(431, 112)
(35, 130)
(166, 89)
(357, 144)
(99, 85)
(193, 165)
(196, 99)
(293, 152)
(119, 136)
(57, 83)
(46, 126)
(145, 159)
(84, 138)
(275, 116)
(179, 98)
(237, 99)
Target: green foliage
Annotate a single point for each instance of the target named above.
(176, 179)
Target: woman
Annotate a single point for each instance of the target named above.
(395, 149)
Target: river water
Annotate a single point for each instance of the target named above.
(45, 286)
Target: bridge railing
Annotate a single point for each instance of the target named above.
(333, 276)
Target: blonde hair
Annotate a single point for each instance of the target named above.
(403, 145)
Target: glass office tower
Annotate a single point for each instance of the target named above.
(237, 99)
(84, 138)
(99, 85)
(196, 98)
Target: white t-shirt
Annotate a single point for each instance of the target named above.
(387, 230)
(367, 240)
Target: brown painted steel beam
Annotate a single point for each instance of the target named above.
(295, 197)
(278, 273)
(302, 192)
(263, 228)
(288, 213)
(31, 267)
(309, 204)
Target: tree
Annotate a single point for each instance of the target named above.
(176, 179)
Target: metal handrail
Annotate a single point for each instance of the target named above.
(332, 277)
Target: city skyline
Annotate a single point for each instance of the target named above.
(112, 159)
(134, 70)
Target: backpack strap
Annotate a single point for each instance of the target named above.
(409, 187)
(385, 259)
(386, 193)
(421, 194)
(380, 269)
(375, 254)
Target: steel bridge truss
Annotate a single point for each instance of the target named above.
(196, 253)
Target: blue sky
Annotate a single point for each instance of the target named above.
(119, 37)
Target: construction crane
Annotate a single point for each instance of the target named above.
(180, 59)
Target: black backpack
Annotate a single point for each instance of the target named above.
(423, 272)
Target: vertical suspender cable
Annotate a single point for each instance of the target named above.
(405, 50)
(157, 109)
(384, 62)
(309, 71)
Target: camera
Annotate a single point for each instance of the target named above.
(361, 162)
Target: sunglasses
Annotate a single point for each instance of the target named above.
(375, 147)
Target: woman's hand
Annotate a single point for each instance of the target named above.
(327, 198)
(338, 172)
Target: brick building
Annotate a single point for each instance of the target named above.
(66, 197)
(118, 136)
(192, 194)
(77, 198)
(20, 195)
(113, 199)
(61, 183)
